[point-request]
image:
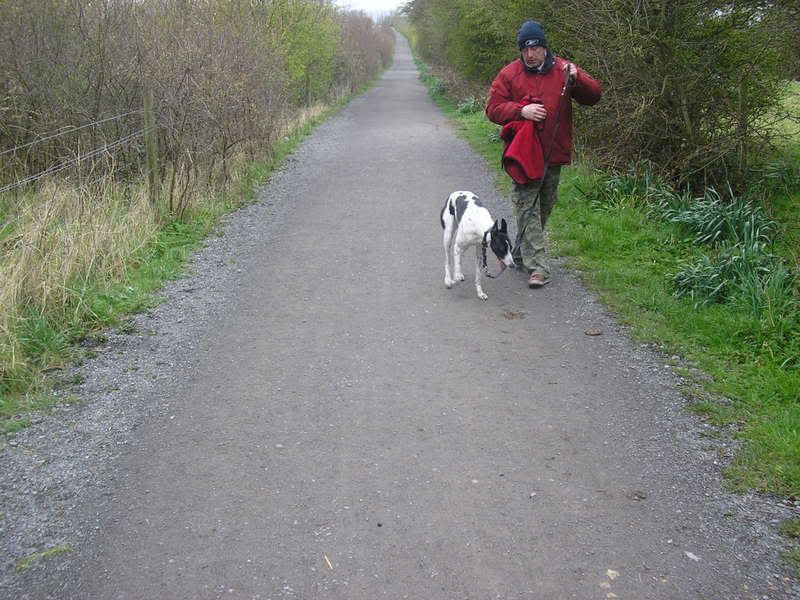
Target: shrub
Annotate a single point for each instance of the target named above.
(640, 188)
(684, 86)
(742, 270)
(712, 220)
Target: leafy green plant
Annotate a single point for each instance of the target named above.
(793, 557)
(767, 292)
(717, 279)
(42, 341)
(434, 85)
(470, 106)
(704, 281)
(642, 187)
(712, 220)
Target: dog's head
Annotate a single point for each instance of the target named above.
(500, 244)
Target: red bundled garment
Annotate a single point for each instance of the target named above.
(523, 158)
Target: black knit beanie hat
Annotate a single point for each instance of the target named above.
(531, 34)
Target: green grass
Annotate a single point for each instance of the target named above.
(783, 175)
(750, 378)
(26, 563)
(51, 342)
(791, 528)
(793, 558)
(9, 426)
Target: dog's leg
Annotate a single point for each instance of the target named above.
(458, 252)
(448, 249)
(478, 288)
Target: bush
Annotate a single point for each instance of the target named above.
(642, 188)
(743, 271)
(692, 86)
(712, 220)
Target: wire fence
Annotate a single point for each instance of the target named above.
(72, 162)
(68, 129)
(80, 157)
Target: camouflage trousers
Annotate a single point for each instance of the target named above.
(532, 209)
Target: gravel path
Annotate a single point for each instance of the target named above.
(311, 414)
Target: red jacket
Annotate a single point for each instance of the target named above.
(513, 85)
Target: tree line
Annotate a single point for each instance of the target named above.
(223, 76)
(692, 87)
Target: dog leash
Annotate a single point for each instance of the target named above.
(484, 244)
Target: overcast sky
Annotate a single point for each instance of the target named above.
(374, 8)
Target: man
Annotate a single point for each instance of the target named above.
(528, 92)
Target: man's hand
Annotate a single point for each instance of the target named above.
(534, 112)
(571, 70)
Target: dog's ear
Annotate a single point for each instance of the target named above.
(496, 226)
(503, 226)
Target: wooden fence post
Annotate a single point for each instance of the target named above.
(151, 149)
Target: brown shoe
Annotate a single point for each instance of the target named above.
(537, 280)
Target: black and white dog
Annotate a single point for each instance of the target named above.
(466, 222)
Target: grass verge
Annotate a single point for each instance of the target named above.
(747, 381)
(791, 529)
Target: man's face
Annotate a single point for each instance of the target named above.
(533, 56)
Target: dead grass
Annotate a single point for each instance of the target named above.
(59, 239)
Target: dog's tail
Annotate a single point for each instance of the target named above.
(444, 208)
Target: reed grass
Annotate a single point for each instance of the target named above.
(57, 242)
